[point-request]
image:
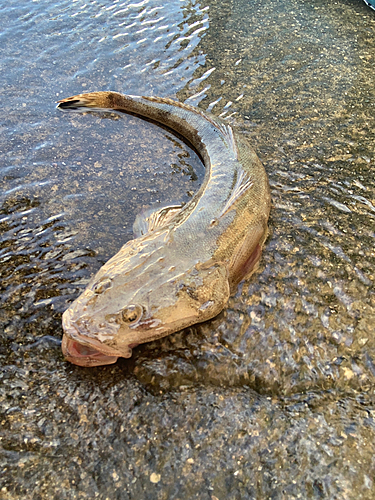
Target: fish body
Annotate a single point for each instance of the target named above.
(186, 260)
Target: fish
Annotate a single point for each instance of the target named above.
(185, 260)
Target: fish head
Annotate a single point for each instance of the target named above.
(120, 310)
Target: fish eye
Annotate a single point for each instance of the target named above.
(131, 314)
(102, 285)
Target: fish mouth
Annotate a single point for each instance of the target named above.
(85, 355)
(77, 349)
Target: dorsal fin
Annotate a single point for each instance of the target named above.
(227, 132)
(243, 183)
(150, 219)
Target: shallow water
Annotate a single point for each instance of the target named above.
(273, 398)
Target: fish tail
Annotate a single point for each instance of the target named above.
(90, 100)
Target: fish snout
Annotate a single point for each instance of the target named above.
(85, 341)
(75, 325)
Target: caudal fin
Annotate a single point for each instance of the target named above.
(90, 100)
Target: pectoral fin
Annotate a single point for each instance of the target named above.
(150, 219)
(245, 259)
